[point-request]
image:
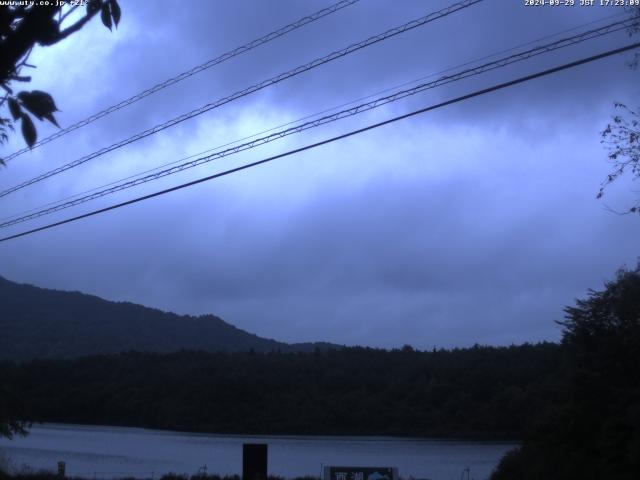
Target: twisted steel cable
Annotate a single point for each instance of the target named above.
(249, 90)
(496, 64)
(327, 141)
(189, 73)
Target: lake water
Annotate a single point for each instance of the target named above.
(108, 452)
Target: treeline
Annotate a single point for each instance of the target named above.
(44, 475)
(593, 432)
(479, 392)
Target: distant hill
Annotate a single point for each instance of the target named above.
(42, 323)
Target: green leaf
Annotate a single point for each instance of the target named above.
(28, 130)
(115, 11)
(14, 108)
(105, 14)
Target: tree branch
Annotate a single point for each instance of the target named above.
(69, 12)
(75, 27)
(23, 38)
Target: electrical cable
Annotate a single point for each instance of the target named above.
(254, 88)
(500, 63)
(477, 93)
(189, 73)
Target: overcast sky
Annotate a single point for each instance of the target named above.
(476, 223)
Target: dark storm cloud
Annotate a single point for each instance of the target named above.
(487, 28)
(169, 40)
(472, 224)
(177, 38)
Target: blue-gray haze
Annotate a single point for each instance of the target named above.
(472, 224)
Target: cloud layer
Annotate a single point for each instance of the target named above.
(475, 223)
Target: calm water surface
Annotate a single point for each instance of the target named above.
(107, 452)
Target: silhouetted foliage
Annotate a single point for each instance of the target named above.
(622, 136)
(9, 402)
(634, 13)
(594, 433)
(479, 392)
(22, 27)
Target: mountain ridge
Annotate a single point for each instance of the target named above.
(45, 323)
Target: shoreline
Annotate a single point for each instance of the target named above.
(498, 440)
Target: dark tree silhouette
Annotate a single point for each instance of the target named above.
(8, 403)
(594, 433)
(22, 27)
(477, 392)
(622, 136)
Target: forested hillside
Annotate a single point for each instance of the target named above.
(478, 392)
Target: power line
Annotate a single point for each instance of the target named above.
(500, 63)
(307, 117)
(477, 93)
(254, 88)
(60, 205)
(191, 72)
